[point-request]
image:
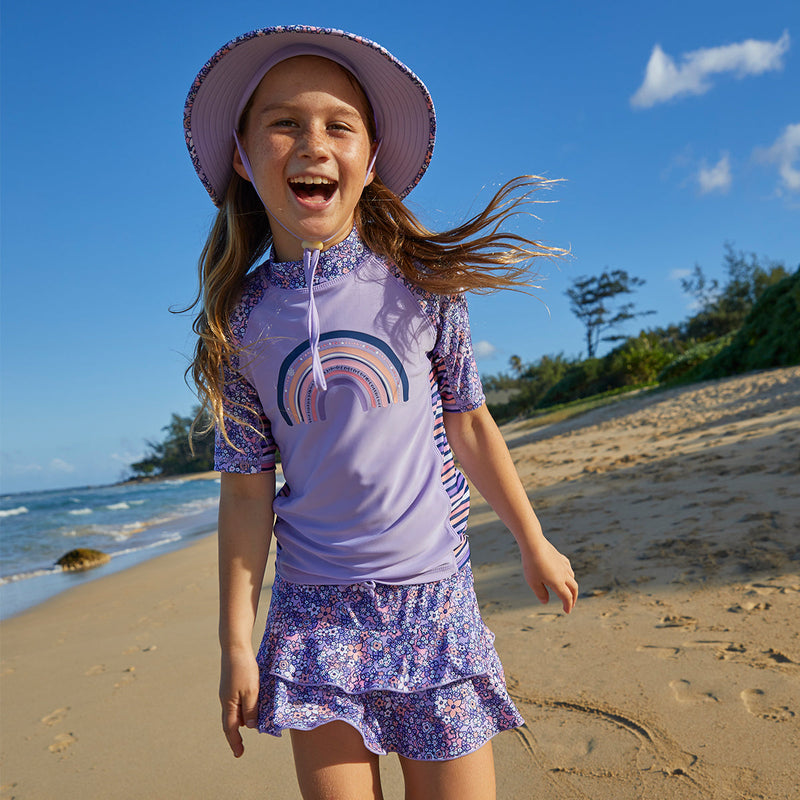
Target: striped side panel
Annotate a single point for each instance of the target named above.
(454, 482)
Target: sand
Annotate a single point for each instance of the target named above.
(677, 675)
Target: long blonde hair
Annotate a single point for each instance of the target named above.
(477, 255)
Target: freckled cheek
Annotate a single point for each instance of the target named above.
(273, 154)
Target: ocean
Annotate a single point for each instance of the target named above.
(130, 522)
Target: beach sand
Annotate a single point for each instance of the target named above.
(677, 675)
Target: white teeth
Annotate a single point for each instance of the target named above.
(310, 179)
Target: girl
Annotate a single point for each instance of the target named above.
(348, 352)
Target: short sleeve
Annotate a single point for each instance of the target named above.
(454, 359)
(249, 447)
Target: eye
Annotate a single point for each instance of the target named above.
(284, 123)
(339, 125)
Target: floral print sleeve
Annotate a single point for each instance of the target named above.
(249, 447)
(452, 358)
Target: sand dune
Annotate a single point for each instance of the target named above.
(677, 676)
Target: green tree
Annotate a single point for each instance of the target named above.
(515, 362)
(173, 454)
(769, 336)
(723, 309)
(593, 301)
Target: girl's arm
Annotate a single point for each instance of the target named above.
(480, 448)
(245, 531)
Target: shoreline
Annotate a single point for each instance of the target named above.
(19, 594)
(206, 475)
(24, 591)
(679, 512)
(166, 529)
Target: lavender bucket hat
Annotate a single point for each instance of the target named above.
(404, 116)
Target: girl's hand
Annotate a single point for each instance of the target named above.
(238, 694)
(545, 567)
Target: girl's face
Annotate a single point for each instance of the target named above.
(307, 138)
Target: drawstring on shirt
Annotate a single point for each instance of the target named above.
(311, 251)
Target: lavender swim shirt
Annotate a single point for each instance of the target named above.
(372, 492)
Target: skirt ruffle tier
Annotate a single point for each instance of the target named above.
(413, 668)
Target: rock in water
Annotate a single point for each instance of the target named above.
(82, 558)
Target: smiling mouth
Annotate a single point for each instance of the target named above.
(313, 188)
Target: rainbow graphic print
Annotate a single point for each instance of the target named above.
(365, 365)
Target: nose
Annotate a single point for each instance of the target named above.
(312, 143)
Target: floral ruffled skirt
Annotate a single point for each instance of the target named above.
(413, 668)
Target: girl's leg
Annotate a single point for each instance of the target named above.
(332, 763)
(470, 777)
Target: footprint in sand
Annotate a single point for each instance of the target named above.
(62, 742)
(493, 606)
(757, 703)
(545, 617)
(660, 652)
(723, 650)
(137, 648)
(748, 607)
(129, 678)
(768, 589)
(778, 657)
(684, 693)
(55, 716)
(677, 621)
(97, 669)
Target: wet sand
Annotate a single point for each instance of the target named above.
(677, 676)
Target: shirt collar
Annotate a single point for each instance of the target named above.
(333, 263)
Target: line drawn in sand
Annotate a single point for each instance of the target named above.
(582, 759)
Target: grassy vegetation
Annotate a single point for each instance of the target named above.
(575, 408)
(750, 323)
(769, 337)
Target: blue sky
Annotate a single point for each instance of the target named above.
(676, 127)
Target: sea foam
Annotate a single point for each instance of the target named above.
(13, 512)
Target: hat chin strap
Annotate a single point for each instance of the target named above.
(311, 252)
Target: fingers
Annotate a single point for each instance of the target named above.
(238, 695)
(566, 590)
(564, 587)
(250, 709)
(231, 722)
(569, 594)
(540, 590)
(574, 588)
(238, 713)
(569, 589)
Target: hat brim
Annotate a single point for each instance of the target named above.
(402, 105)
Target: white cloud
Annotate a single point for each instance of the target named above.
(484, 349)
(664, 79)
(679, 274)
(59, 465)
(784, 152)
(716, 178)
